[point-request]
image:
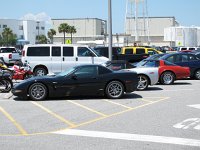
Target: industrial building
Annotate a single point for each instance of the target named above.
(149, 31)
(87, 29)
(26, 30)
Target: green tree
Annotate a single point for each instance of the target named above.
(42, 39)
(63, 28)
(8, 38)
(50, 34)
(72, 30)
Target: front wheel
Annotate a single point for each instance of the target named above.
(143, 82)
(197, 74)
(5, 85)
(40, 71)
(167, 78)
(38, 91)
(114, 90)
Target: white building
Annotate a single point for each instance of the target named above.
(26, 30)
(182, 36)
(87, 29)
(155, 27)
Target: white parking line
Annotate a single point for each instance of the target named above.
(131, 137)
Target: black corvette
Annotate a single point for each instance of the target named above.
(77, 81)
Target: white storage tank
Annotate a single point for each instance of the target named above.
(182, 36)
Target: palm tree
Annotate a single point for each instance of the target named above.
(72, 30)
(50, 34)
(64, 27)
(42, 39)
(7, 34)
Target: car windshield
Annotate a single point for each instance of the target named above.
(66, 72)
(95, 52)
(148, 63)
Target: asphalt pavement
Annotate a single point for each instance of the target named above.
(160, 118)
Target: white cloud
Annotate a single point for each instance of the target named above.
(37, 17)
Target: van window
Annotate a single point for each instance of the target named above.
(183, 48)
(84, 51)
(56, 51)
(191, 48)
(140, 51)
(128, 51)
(38, 51)
(68, 51)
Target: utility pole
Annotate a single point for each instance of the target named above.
(110, 28)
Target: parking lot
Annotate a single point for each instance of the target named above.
(163, 117)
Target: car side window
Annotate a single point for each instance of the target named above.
(86, 72)
(191, 57)
(38, 51)
(170, 59)
(140, 51)
(184, 58)
(68, 51)
(128, 51)
(56, 51)
(84, 52)
(103, 70)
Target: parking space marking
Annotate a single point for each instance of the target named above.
(87, 108)
(118, 113)
(19, 127)
(54, 114)
(131, 137)
(148, 101)
(73, 125)
(118, 104)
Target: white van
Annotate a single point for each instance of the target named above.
(188, 48)
(53, 58)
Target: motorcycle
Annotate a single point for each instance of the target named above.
(6, 83)
(18, 71)
(22, 72)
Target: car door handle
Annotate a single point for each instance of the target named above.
(63, 58)
(76, 58)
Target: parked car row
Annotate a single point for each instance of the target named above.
(88, 72)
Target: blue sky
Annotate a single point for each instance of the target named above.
(186, 12)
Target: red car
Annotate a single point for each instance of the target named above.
(167, 71)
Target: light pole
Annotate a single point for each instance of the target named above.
(110, 28)
(38, 31)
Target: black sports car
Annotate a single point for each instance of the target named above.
(77, 81)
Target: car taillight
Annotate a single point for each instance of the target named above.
(23, 53)
(10, 56)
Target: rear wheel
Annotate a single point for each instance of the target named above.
(40, 71)
(197, 74)
(38, 91)
(167, 78)
(143, 82)
(114, 90)
(5, 85)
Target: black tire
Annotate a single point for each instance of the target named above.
(38, 91)
(143, 82)
(167, 78)
(27, 76)
(114, 90)
(40, 71)
(197, 74)
(5, 85)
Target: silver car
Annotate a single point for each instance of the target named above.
(146, 76)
